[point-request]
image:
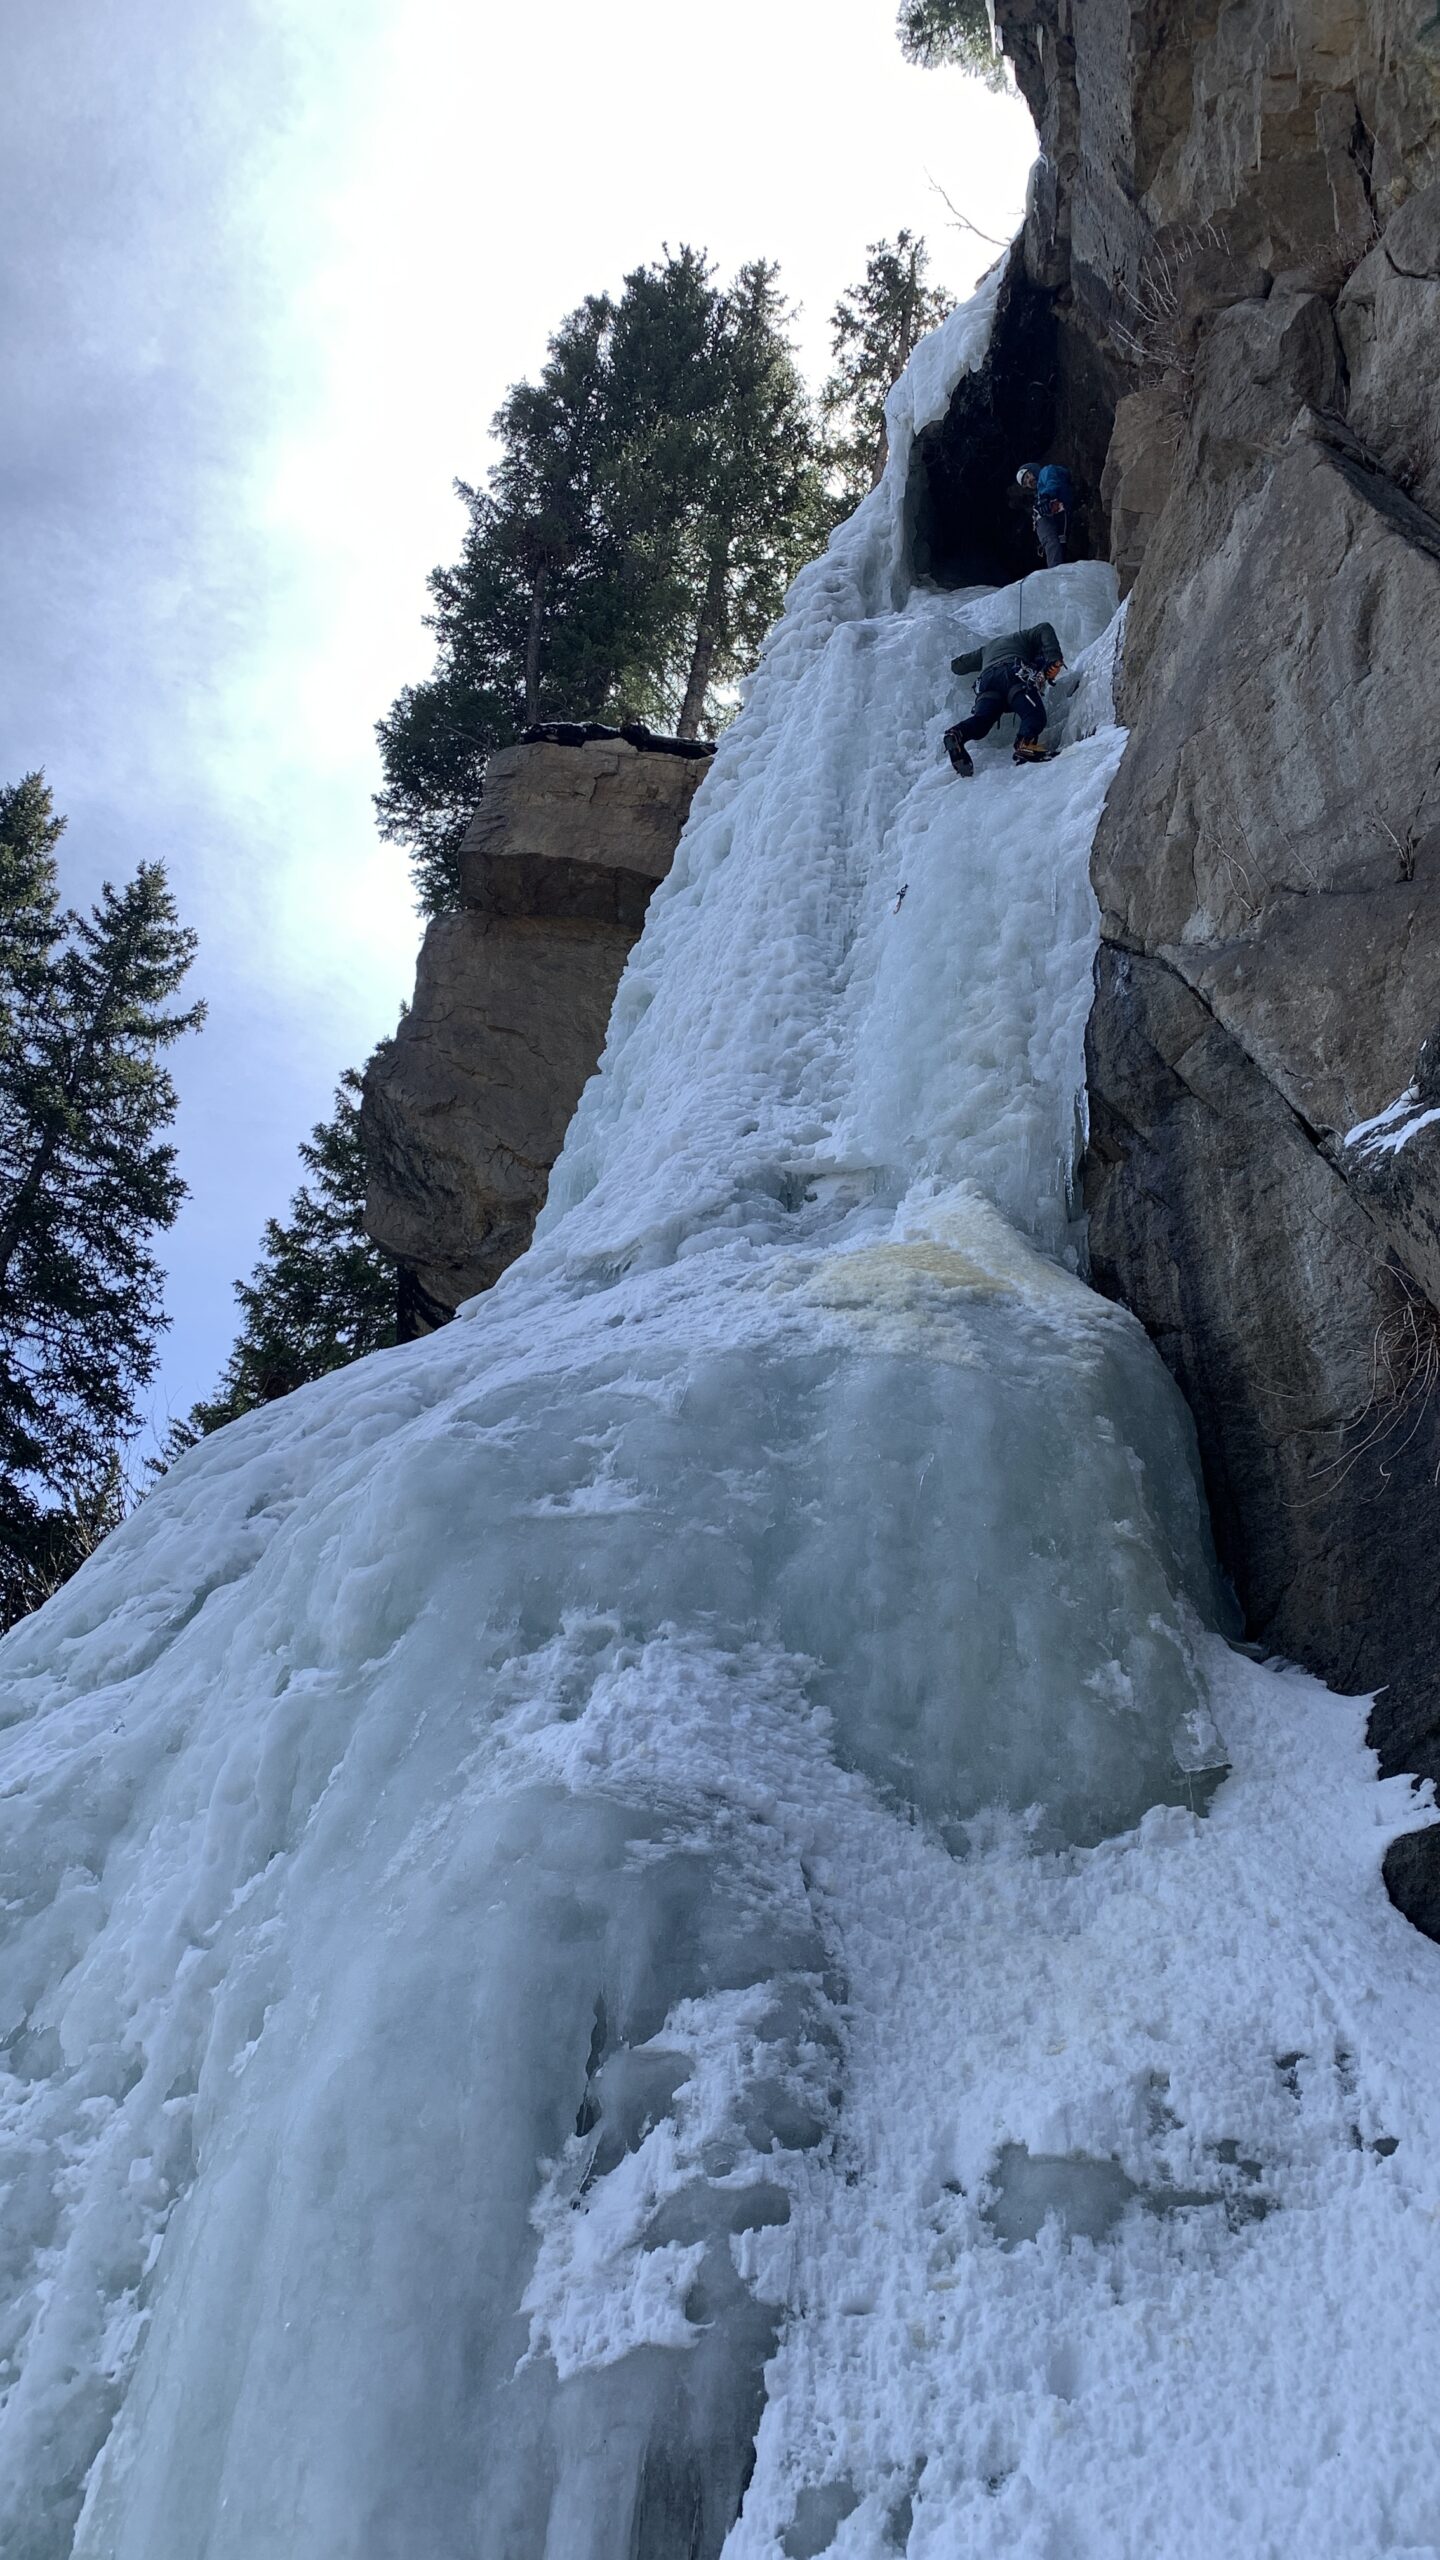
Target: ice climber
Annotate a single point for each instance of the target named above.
(1051, 495)
(1012, 676)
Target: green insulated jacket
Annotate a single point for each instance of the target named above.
(1036, 646)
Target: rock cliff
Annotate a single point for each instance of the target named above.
(466, 1107)
(1231, 273)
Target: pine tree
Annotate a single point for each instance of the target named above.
(939, 31)
(29, 901)
(320, 1295)
(535, 619)
(656, 488)
(759, 508)
(87, 1178)
(875, 328)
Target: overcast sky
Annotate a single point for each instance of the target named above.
(270, 267)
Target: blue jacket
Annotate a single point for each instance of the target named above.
(1052, 480)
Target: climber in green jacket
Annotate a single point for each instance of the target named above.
(1012, 676)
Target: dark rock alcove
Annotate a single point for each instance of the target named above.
(969, 524)
(1043, 394)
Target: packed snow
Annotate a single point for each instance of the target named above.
(1395, 1126)
(664, 1923)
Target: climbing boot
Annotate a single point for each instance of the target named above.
(1030, 751)
(958, 753)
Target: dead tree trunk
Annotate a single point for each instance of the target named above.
(710, 631)
(532, 649)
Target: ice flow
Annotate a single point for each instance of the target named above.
(616, 1939)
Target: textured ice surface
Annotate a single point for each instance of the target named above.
(612, 1943)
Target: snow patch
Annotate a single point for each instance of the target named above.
(1394, 1127)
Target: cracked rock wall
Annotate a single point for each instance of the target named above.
(1239, 213)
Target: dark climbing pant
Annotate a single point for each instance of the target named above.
(999, 690)
(1050, 533)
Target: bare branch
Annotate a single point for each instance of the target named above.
(963, 219)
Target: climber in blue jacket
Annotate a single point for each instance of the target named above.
(1048, 487)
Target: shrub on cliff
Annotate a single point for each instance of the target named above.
(656, 490)
(87, 1179)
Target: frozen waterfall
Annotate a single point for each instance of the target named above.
(625, 1934)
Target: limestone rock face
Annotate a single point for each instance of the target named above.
(1389, 321)
(1256, 1270)
(1238, 222)
(1140, 467)
(466, 1108)
(560, 826)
